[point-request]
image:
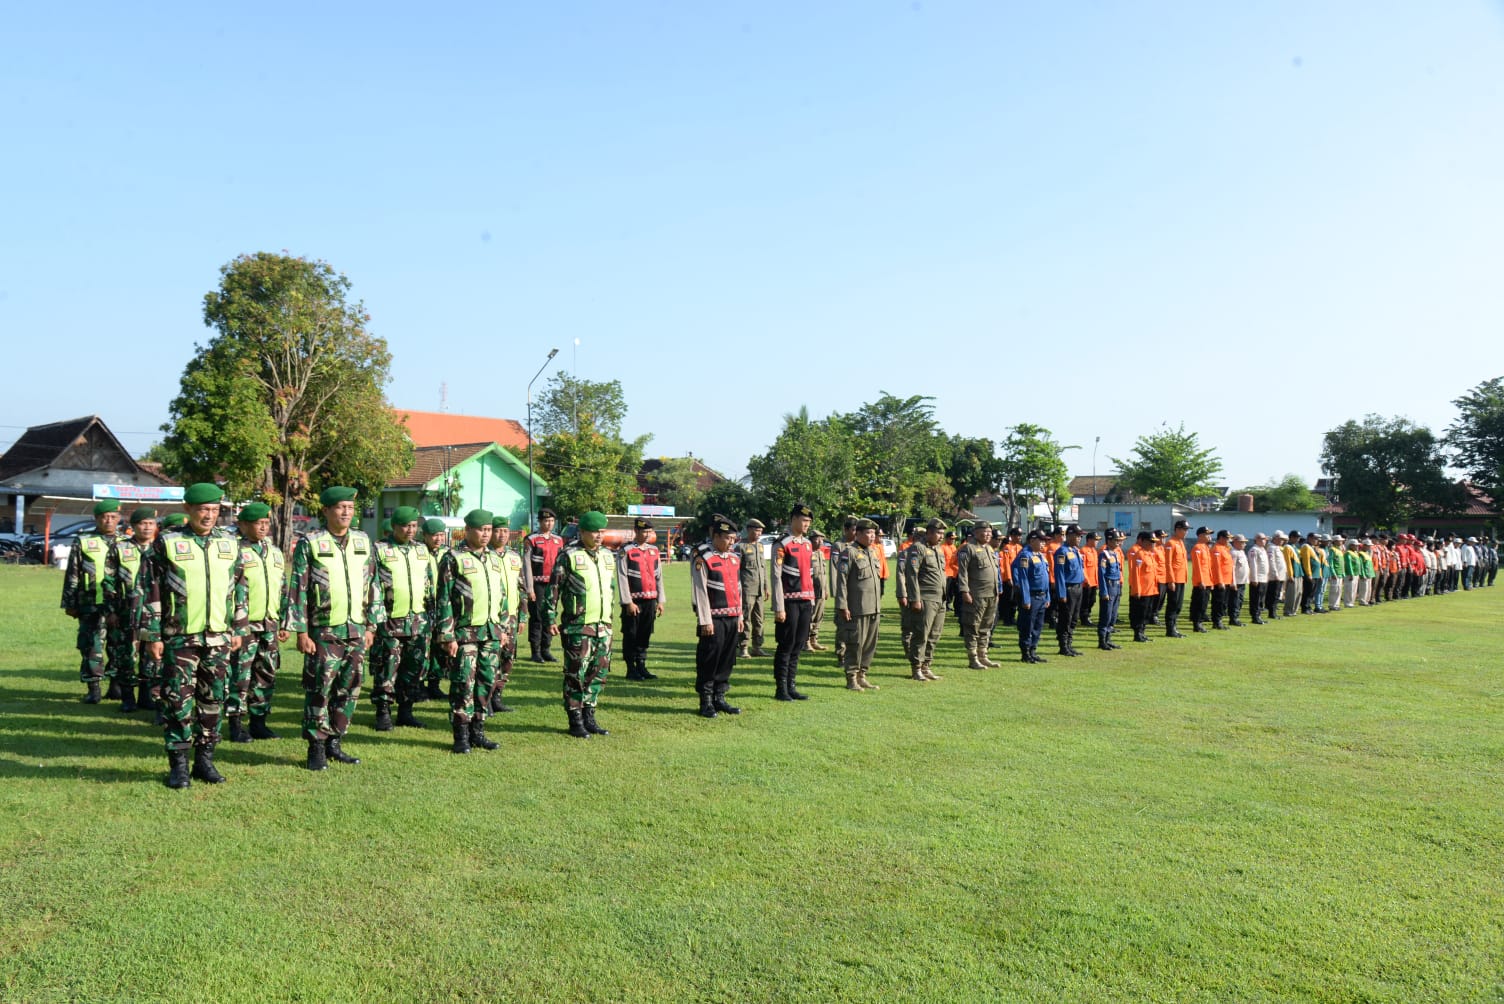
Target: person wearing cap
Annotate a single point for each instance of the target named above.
(1222, 570)
(334, 606)
(857, 597)
(639, 584)
(436, 664)
(1256, 557)
(1070, 578)
(397, 657)
(820, 574)
(1278, 574)
(1310, 573)
(470, 607)
(511, 608)
(843, 628)
(1240, 579)
(952, 571)
(1053, 542)
(584, 586)
(754, 588)
(715, 586)
(1143, 583)
(1088, 549)
(924, 586)
(193, 618)
(1336, 567)
(253, 667)
(1109, 589)
(1294, 573)
(1007, 593)
(122, 587)
(793, 594)
(540, 553)
(84, 598)
(1031, 579)
(1175, 576)
(1201, 578)
(976, 565)
(906, 618)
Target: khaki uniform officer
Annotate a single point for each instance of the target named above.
(858, 592)
(754, 588)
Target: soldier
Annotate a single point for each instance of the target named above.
(1031, 576)
(399, 653)
(194, 618)
(123, 599)
(83, 594)
(793, 589)
(1143, 584)
(436, 541)
(639, 584)
(976, 578)
(584, 582)
(715, 585)
(858, 593)
(253, 667)
(334, 605)
(1110, 589)
(468, 604)
(1070, 580)
(540, 552)
(843, 628)
(511, 616)
(924, 572)
(820, 574)
(754, 587)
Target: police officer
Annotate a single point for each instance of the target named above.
(639, 583)
(820, 573)
(715, 590)
(754, 588)
(540, 551)
(843, 628)
(1109, 589)
(1031, 577)
(793, 590)
(857, 594)
(468, 604)
(84, 598)
(1007, 599)
(976, 579)
(253, 668)
(1070, 579)
(584, 583)
(398, 656)
(511, 607)
(924, 572)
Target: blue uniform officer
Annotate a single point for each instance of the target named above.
(1109, 590)
(1031, 584)
(1070, 579)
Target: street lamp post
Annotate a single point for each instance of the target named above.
(1094, 446)
(532, 504)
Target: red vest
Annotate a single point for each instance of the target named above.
(542, 550)
(791, 558)
(723, 581)
(641, 563)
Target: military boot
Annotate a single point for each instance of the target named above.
(982, 657)
(972, 660)
(1034, 656)
(577, 723)
(331, 746)
(383, 717)
(461, 736)
(794, 691)
(203, 766)
(930, 674)
(434, 691)
(113, 694)
(144, 700)
(707, 705)
(1023, 654)
(405, 716)
(317, 756)
(863, 682)
(720, 705)
(238, 734)
(780, 688)
(478, 738)
(1103, 643)
(177, 769)
(494, 704)
(259, 729)
(92, 697)
(587, 715)
(642, 669)
(127, 699)
(851, 683)
(916, 673)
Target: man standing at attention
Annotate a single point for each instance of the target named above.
(83, 594)
(1031, 578)
(793, 597)
(715, 590)
(253, 668)
(397, 657)
(584, 585)
(754, 587)
(976, 567)
(857, 594)
(1176, 575)
(511, 607)
(468, 606)
(925, 589)
(1110, 589)
(639, 585)
(540, 551)
(820, 573)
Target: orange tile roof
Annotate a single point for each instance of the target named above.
(440, 428)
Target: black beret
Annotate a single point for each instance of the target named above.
(720, 524)
(641, 524)
(1181, 524)
(800, 509)
(1036, 535)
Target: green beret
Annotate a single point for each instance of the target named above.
(865, 524)
(106, 505)
(202, 494)
(405, 514)
(254, 511)
(434, 526)
(174, 519)
(335, 495)
(477, 518)
(142, 514)
(593, 520)
(500, 523)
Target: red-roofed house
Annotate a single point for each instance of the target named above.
(440, 428)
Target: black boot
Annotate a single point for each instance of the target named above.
(238, 734)
(259, 728)
(707, 706)
(545, 653)
(113, 694)
(478, 738)
(721, 705)
(92, 697)
(405, 716)
(1103, 643)
(177, 769)
(494, 704)
(383, 718)
(461, 736)
(588, 714)
(160, 718)
(317, 756)
(127, 700)
(780, 688)
(1023, 655)
(331, 747)
(203, 766)
(577, 723)
(794, 694)
(642, 669)
(143, 698)
(434, 691)
(1034, 656)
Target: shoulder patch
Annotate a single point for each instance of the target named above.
(227, 548)
(182, 547)
(325, 546)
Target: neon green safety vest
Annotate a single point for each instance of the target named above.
(345, 571)
(263, 580)
(407, 569)
(206, 568)
(483, 572)
(511, 581)
(587, 600)
(93, 549)
(128, 554)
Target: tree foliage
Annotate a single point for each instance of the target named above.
(728, 498)
(1032, 470)
(589, 471)
(897, 443)
(1290, 494)
(568, 404)
(973, 468)
(1477, 436)
(288, 395)
(1387, 470)
(811, 461)
(676, 482)
(1169, 466)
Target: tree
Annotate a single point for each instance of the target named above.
(1289, 495)
(811, 462)
(1386, 470)
(568, 404)
(288, 394)
(728, 498)
(974, 468)
(589, 471)
(676, 482)
(1032, 470)
(1477, 436)
(1169, 466)
(897, 442)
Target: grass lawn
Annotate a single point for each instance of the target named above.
(1308, 810)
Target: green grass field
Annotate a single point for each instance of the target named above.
(1309, 810)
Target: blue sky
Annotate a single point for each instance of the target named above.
(1257, 219)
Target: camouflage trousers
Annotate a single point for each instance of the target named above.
(587, 661)
(253, 674)
(193, 692)
(331, 685)
(120, 650)
(92, 641)
(508, 655)
(398, 665)
(436, 666)
(471, 678)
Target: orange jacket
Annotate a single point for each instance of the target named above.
(1175, 554)
(882, 558)
(1048, 551)
(1089, 565)
(1142, 571)
(1201, 565)
(951, 570)
(1006, 554)
(1222, 565)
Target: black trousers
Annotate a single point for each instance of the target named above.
(538, 639)
(715, 655)
(791, 636)
(637, 631)
(1272, 592)
(1066, 612)
(1088, 603)
(1007, 604)
(1256, 601)
(1157, 601)
(1199, 597)
(1174, 596)
(1219, 604)
(1139, 608)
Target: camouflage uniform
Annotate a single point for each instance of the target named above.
(332, 674)
(400, 649)
(196, 656)
(511, 616)
(84, 592)
(584, 588)
(436, 663)
(471, 617)
(253, 669)
(123, 598)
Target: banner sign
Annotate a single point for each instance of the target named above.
(140, 493)
(650, 510)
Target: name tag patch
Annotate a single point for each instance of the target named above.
(326, 548)
(227, 548)
(182, 549)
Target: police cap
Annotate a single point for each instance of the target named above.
(800, 509)
(547, 513)
(1036, 535)
(865, 524)
(641, 524)
(1181, 524)
(936, 524)
(720, 524)
(755, 524)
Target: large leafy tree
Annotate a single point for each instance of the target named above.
(1032, 469)
(1386, 470)
(676, 482)
(1169, 466)
(1477, 436)
(568, 404)
(589, 471)
(728, 498)
(811, 461)
(974, 467)
(1290, 494)
(288, 395)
